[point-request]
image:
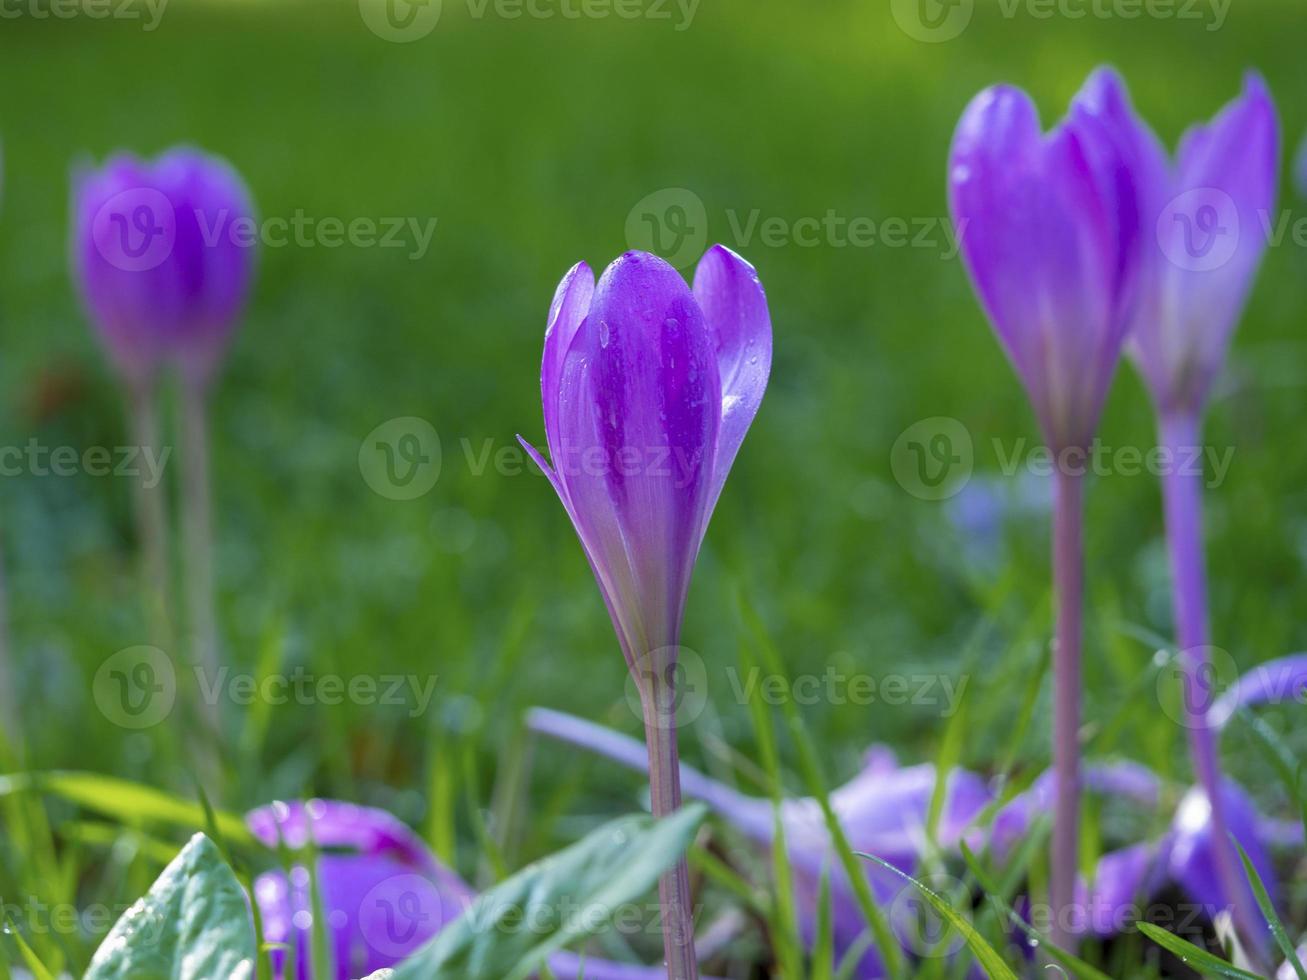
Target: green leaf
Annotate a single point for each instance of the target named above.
(193, 924)
(1192, 956)
(129, 803)
(509, 932)
(985, 954)
(1268, 912)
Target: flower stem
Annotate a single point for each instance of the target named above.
(1183, 505)
(197, 530)
(151, 517)
(659, 697)
(1068, 583)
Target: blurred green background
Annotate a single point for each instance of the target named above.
(530, 141)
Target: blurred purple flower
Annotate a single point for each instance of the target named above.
(383, 893)
(1049, 231)
(160, 261)
(1282, 681)
(883, 810)
(648, 390)
(1204, 221)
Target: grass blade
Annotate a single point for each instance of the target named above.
(985, 954)
(1268, 912)
(1192, 956)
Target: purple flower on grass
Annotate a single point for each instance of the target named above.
(883, 810)
(1050, 237)
(158, 259)
(649, 387)
(383, 894)
(1204, 219)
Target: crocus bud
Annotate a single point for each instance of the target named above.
(163, 259)
(1049, 229)
(649, 389)
(1205, 220)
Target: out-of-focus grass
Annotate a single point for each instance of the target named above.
(530, 141)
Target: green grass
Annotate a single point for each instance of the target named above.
(530, 141)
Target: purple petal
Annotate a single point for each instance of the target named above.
(1282, 681)
(566, 313)
(1046, 230)
(1209, 232)
(1122, 881)
(382, 902)
(735, 308)
(638, 416)
(1193, 860)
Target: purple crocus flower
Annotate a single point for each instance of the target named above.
(883, 811)
(383, 893)
(649, 388)
(1204, 219)
(1050, 234)
(162, 255)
